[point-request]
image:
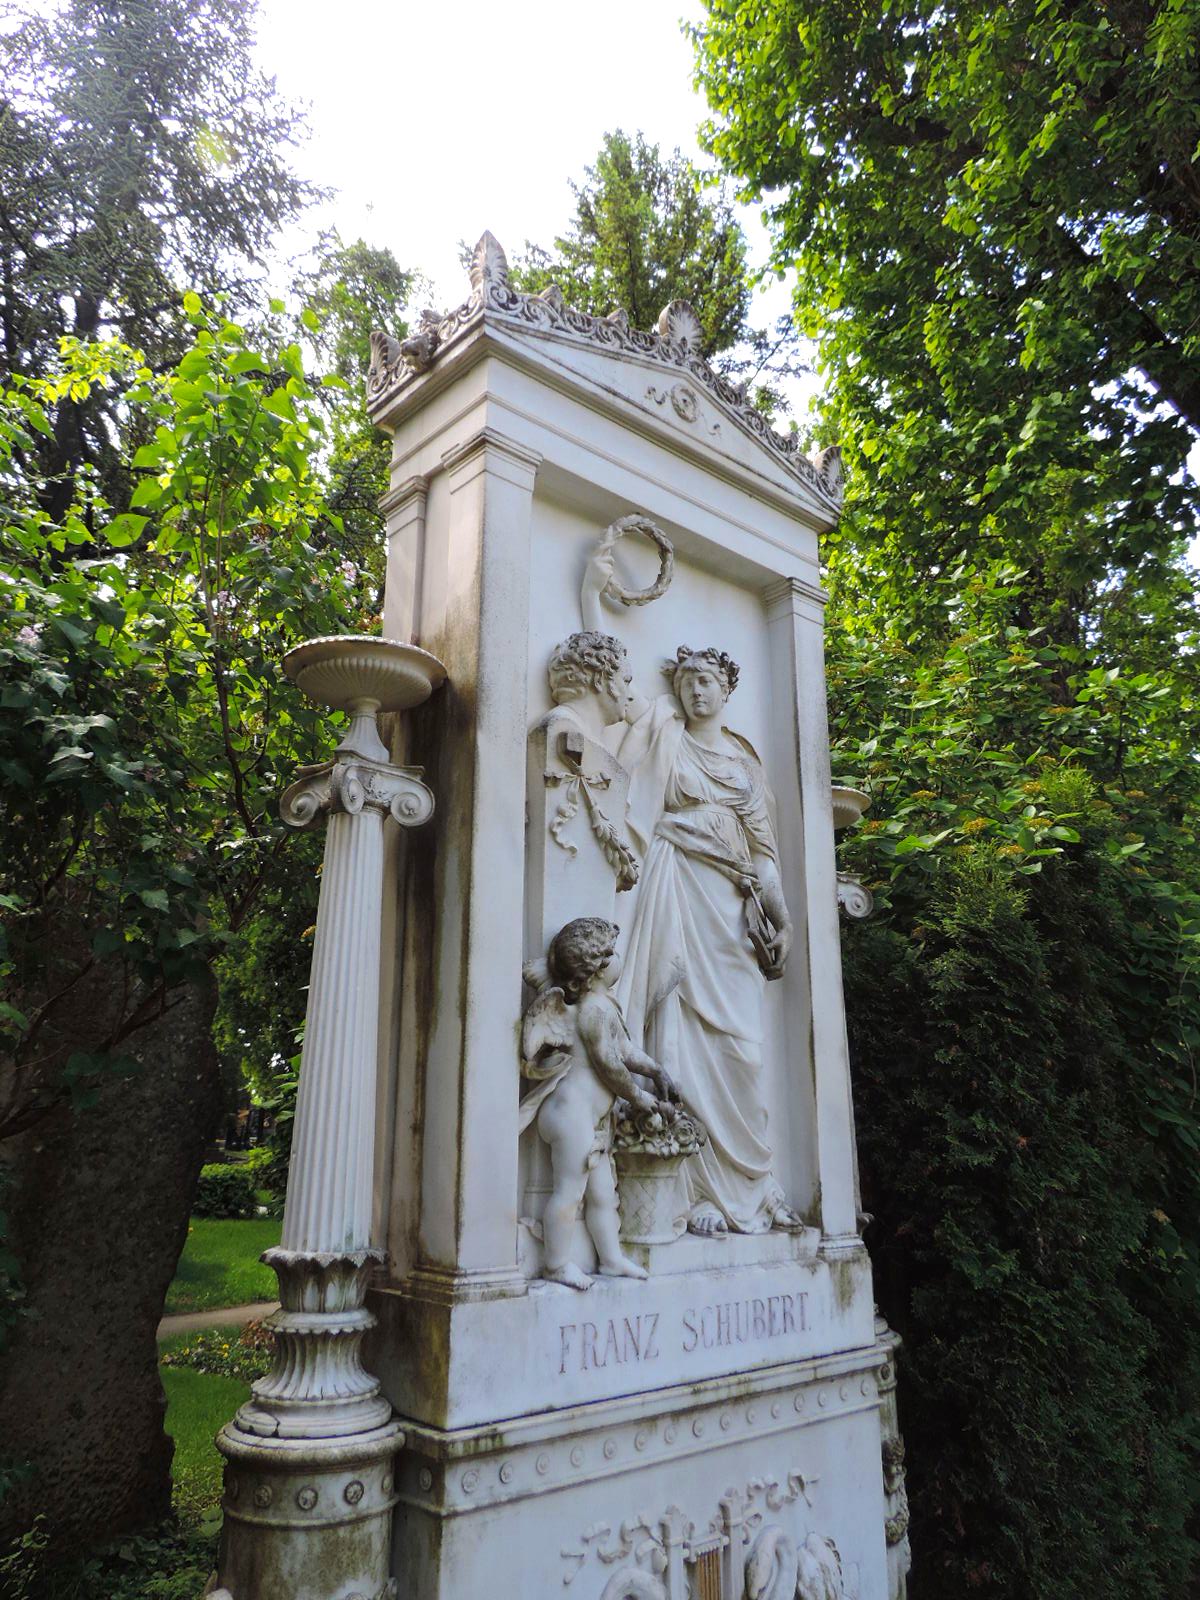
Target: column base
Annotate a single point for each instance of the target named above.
(317, 1387)
(463, 1286)
(307, 1519)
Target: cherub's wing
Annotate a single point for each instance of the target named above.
(547, 1030)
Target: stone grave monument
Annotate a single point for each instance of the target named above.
(575, 1098)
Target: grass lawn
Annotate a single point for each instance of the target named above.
(220, 1266)
(198, 1404)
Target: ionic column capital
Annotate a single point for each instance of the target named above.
(354, 786)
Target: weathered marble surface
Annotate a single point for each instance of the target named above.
(309, 1481)
(718, 1422)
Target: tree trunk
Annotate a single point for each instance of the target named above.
(98, 1212)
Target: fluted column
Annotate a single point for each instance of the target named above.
(329, 1186)
(312, 1448)
(317, 1387)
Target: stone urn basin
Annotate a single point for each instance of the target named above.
(363, 674)
(848, 806)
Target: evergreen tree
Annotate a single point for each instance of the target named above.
(648, 230)
(142, 153)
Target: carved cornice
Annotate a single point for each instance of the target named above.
(461, 454)
(674, 345)
(351, 786)
(404, 494)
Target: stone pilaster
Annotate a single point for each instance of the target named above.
(468, 1201)
(795, 614)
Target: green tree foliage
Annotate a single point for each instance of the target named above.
(263, 974)
(648, 230)
(352, 289)
(644, 233)
(146, 730)
(1023, 1019)
(993, 217)
(141, 153)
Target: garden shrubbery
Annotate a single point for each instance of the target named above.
(226, 1190)
(1023, 1010)
(225, 1352)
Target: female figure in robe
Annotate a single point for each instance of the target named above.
(710, 924)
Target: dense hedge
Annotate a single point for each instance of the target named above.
(226, 1190)
(1023, 1015)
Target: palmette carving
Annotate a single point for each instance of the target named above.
(317, 1385)
(578, 785)
(675, 344)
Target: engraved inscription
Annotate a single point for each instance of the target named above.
(736, 1321)
(620, 1341)
(585, 1345)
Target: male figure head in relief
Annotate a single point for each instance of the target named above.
(591, 665)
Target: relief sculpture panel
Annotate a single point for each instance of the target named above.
(655, 802)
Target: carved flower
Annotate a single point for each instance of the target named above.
(684, 402)
(353, 1492)
(666, 1131)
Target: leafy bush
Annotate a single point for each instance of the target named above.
(225, 1190)
(226, 1352)
(273, 1174)
(170, 1563)
(1023, 1017)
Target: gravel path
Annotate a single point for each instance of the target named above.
(226, 1317)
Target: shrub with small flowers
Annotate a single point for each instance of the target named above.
(243, 1353)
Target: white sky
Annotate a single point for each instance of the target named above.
(434, 123)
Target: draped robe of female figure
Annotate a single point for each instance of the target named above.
(691, 989)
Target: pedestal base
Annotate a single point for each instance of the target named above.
(307, 1519)
(733, 1305)
(764, 1485)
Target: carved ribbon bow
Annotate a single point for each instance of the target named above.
(576, 785)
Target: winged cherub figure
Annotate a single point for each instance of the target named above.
(576, 1048)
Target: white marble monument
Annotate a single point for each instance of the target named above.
(626, 1320)
(575, 1095)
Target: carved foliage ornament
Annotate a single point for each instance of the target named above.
(636, 523)
(671, 1559)
(577, 784)
(675, 344)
